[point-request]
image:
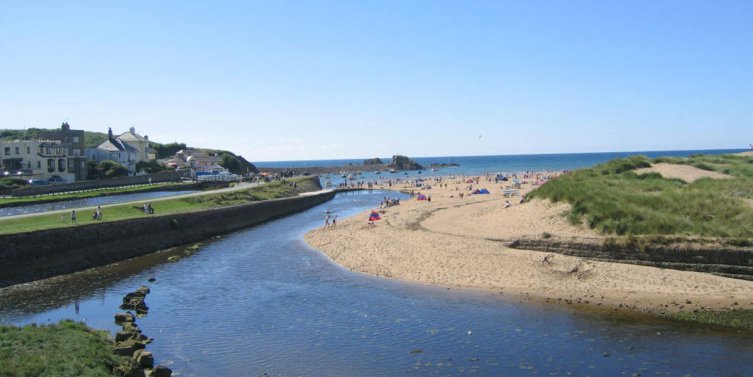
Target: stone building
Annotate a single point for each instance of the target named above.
(73, 142)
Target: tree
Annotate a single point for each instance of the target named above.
(149, 167)
(105, 169)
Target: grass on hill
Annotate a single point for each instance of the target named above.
(267, 191)
(60, 350)
(613, 199)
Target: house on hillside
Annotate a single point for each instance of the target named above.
(128, 149)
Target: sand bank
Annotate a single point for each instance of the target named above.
(686, 173)
(460, 242)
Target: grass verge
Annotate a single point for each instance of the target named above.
(60, 350)
(267, 191)
(739, 319)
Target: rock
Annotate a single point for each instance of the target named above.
(144, 358)
(161, 371)
(404, 163)
(143, 290)
(128, 347)
(128, 368)
(173, 258)
(124, 317)
(373, 161)
(443, 165)
(152, 280)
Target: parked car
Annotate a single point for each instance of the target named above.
(56, 179)
(37, 182)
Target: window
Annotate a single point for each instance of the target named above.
(61, 165)
(76, 152)
(7, 151)
(50, 165)
(75, 139)
(18, 150)
(71, 164)
(39, 164)
(28, 149)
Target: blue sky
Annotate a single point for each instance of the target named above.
(289, 80)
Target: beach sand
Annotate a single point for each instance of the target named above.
(686, 173)
(460, 242)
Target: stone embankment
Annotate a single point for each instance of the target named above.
(130, 342)
(723, 260)
(40, 254)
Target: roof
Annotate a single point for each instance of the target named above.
(114, 145)
(130, 136)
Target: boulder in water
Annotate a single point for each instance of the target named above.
(404, 163)
(373, 161)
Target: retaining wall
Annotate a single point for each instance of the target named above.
(36, 255)
(727, 261)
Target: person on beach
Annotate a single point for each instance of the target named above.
(374, 216)
(507, 204)
(334, 221)
(326, 222)
(73, 216)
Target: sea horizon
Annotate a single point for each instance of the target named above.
(513, 162)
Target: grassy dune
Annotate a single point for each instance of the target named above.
(169, 206)
(612, 198)
(61, 350)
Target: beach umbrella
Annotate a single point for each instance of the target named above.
(421, 197)
(374, 216)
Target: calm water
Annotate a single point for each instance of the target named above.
(89, 202)
(261, 301)
(509, 163)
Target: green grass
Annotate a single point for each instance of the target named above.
(613, 199)
(740, 319)
(61, 350)
(4, 202)
(162, 207)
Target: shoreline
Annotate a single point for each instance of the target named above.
(463, 243)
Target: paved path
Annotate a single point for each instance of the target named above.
(81, 210)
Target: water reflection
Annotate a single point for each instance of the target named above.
(88, 202)
(260, 301)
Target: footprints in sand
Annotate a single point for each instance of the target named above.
(567, 267)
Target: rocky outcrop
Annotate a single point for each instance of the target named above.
(373, 161)
(443, 165)
(130, 344)
(404, 163)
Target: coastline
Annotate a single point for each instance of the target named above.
(464, 243)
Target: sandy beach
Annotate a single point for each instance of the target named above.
(459, 241)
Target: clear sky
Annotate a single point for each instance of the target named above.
(287, 80)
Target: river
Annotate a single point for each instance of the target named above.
(89, 202)
(261, 301)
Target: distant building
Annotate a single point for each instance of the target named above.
(128, 149)
(36, 160)
(194, 159)
(73, 142)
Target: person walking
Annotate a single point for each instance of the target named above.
(73, 216)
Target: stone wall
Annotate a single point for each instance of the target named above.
(170, 176)
(35, 255)
(736, 262)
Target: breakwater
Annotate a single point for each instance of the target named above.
(36, 255)
(723, 260)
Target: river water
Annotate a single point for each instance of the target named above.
(89, 202)
(261, 301)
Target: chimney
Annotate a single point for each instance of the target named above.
(109, 133)
(133, 130)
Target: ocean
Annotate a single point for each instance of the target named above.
(479, 165)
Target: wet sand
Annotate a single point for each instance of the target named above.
(460, 242)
